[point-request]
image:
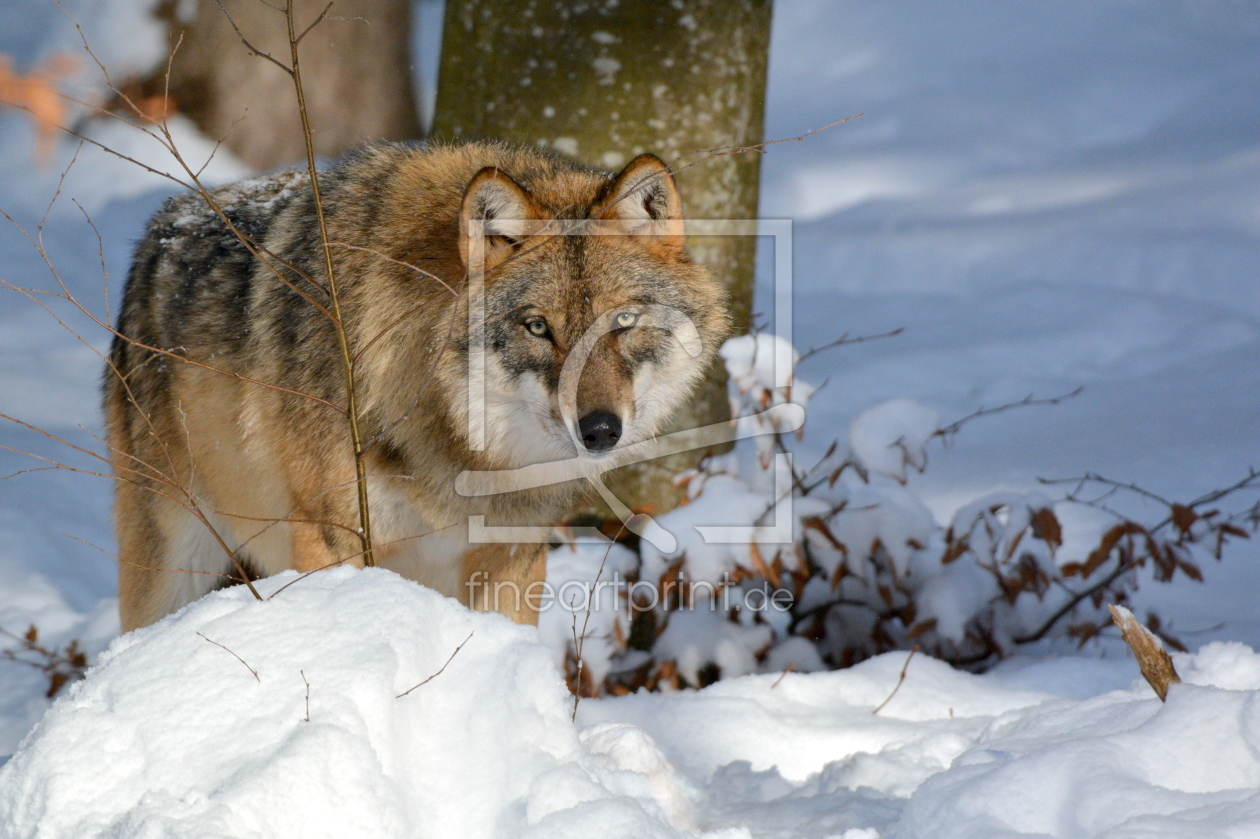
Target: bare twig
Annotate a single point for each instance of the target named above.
(308, 695)
(352, 557)
(150, 567)
(706, 155)
(900, 679)
(235, 656)
(270, 260)
(844, 340)
(165, 139)
(58, 666)
(1251, 479)
(398, 262)
(253, 49)
(1091, 477)
(782, 675)
(440, 669)
(722, 151)
(953, 427)
(319, 19)
(343, 340)
(190, 502)
(579, 642)
(67, 296)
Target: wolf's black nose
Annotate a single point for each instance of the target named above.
(600, 430)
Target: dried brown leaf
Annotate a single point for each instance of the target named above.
(1046, 527)
(953, 550)
(821, 526)
(759, 563)
(920, 628)
(1190, 570)
(1107, 544)
(1183, 517)
(1234, 530)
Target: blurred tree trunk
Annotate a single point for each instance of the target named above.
(604, 82)
(355, 71)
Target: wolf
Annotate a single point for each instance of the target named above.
(467, 276)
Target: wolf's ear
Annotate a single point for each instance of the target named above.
(645, 200)
(501, 208)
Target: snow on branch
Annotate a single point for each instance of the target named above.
(824, 565)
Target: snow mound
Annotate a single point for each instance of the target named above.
(172, 734)
(957, 756)
(1113, 766)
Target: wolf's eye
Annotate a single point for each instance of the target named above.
(537, 327)
(625, 320)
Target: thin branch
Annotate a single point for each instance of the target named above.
(580, 643)
(375, 438)
(343, 340)
(352, 557)
(400, 262)
(253, 49)
(318, 20)
(230, 577)
(1121, 567)
(1091, 477)
(953, 427)
(900, 680)
(306, 574)
(190, 506)
(235, 656)
(845, 339)
(722, 151)
(287, 520)
(308, 695)
(708, 154)
(168, 143)
(68, 297)
(1217, 494)
(783, 675)
(440, 669)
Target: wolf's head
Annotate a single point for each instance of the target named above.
(589, 321)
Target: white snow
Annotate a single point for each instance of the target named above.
(1044, 195)
(200, 724)
(891, 436)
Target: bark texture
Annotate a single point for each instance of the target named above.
(605, 81)
(355, 67)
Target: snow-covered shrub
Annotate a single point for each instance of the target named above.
(59, 666)
(779, 565)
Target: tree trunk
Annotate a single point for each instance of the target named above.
(355, 71)
(604, 82)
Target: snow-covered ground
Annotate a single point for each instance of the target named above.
(1044, 195)
(355, 703)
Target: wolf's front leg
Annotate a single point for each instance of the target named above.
(508, 579)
